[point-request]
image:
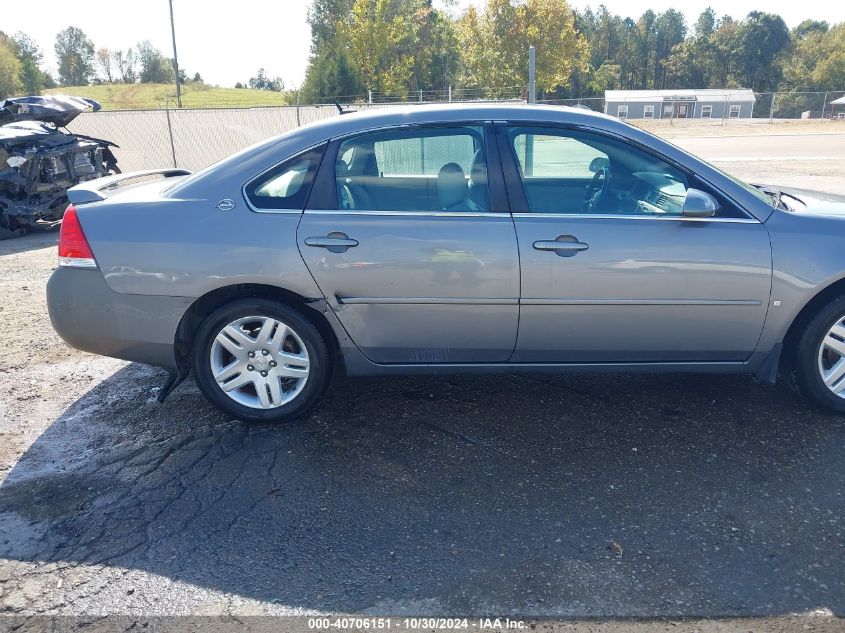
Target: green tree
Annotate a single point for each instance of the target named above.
(436, 54)
(669, 31)
(10, 67)
(380, 40)
(324, 16)
(809, 26)
(644, 49)
(330, 75)
(105, 60)
(607, 77)
(705, 25)
(549, 25)
(760, 43)
(31, 75)
(262, 82)
(155, 68)
(125, 65)
(690, 63)
(723, 56)
(500, 48)
(471, 65)
(75, 54)
(817, 61)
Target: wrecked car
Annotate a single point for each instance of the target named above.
(40, 160)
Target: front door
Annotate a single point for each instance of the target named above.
(416, 253)
(611, 271)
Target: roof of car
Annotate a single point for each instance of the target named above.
(376, 116)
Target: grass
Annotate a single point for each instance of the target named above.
(154, 96)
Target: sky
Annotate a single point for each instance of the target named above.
(228, 41)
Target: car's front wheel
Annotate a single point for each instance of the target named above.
(820, 358)
(260, 361)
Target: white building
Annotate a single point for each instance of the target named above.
(680, 104)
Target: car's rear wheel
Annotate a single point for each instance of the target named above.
(260, 361)
(820, 358)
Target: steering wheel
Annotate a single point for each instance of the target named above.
(598, 185)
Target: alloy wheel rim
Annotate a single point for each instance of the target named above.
(832, 358)
(259, 362)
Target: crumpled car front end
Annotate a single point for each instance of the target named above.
(39, 162)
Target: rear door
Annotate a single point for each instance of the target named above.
(413, 246)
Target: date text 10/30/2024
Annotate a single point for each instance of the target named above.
(375, 623)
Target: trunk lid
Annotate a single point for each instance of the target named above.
(120, 185)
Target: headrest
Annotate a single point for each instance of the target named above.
(451, 185)
(341, 170)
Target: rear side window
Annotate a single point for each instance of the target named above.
(439, 169)
(424, 155)
(286, 186)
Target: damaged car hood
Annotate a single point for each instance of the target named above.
(56, 109)
(32, 131)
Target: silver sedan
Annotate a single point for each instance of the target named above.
(467, 238)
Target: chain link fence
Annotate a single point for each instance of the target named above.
(195, 138)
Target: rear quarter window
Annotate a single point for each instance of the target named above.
(287, 185)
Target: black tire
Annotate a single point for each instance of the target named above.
(319, 358)
(806, 357)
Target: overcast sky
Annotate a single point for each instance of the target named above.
(227, 41)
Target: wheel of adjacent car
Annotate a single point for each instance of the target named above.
(820, 357)
(260, 361)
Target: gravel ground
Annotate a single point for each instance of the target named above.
(704, 500)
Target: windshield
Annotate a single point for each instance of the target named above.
(765, 197)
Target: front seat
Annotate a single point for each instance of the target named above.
(478, 181)
(452, 190)
(350, 195)
(344, 192)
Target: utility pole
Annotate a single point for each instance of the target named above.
(532, 71)
(175, 58)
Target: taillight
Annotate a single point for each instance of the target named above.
(73, 247)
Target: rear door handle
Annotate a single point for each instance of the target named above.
(335, 242)
(563, 245)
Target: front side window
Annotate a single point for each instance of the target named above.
(648, 112)
(574, 172)
(734, 113)
(287, 185)
(622, 112)
(706, 112)
(438, 169)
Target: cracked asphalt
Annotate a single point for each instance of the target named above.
(704, 498)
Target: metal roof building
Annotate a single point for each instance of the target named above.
(680, 104)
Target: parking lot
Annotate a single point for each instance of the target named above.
(586, 497)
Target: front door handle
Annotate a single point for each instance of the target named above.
(563, 245)
(334, 242)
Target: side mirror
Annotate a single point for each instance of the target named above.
(700, 204)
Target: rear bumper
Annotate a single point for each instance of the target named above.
(91, 317)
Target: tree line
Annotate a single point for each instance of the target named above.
(80, 63)
(401, 47)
